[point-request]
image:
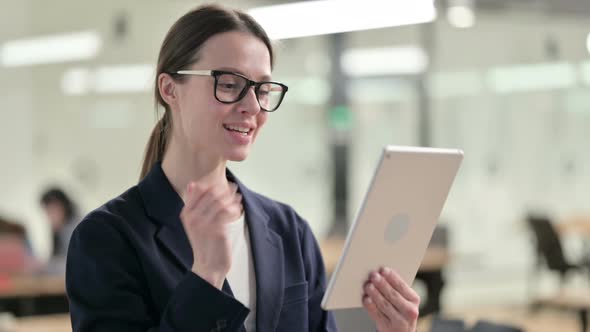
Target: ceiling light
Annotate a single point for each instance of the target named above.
(401, 60)
(319, 17)
(50, 49)
(522, 78)
(108, 79)
(76, 81)
(124, 78)
(461, 16)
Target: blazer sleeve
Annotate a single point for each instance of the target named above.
(108, 292)
(319, 319)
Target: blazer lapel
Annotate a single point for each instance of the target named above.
(267, 253)
(175, 241)
(163, 205)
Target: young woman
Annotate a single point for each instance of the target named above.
(63, 217)
(191, 248)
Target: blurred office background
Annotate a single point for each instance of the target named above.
(507, 81)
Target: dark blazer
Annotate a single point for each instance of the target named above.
(128, 268)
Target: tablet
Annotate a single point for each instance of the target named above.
(396, 220)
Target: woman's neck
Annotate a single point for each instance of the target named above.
(181, 168)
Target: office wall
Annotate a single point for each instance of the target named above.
(18, 178)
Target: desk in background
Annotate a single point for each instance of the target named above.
(26, 295)
(578, 225)
(46, 323)
(31, 285)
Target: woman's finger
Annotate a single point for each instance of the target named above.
(384, 306)
(400, 285)
(372, 309)
(388, 292)
(230, 212)
(206, 206)
(401, 304)
(194, 192)
(223, 205)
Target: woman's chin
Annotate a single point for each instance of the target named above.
(237, 159)
(240, 155)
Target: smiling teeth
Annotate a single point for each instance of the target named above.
(244, 131)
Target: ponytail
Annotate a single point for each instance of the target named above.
(156, 146)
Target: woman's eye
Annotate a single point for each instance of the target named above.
(228, 86)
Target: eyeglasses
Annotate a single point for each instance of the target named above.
(232, 87)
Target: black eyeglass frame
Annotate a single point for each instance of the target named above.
(249, 83)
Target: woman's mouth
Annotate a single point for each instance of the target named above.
(244, 131)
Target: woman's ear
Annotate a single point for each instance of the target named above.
(166, 86)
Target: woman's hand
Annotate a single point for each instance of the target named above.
(391, 303)
(205, 217)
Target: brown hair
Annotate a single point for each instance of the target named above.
(180, 49)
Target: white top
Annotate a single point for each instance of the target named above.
(241, 276)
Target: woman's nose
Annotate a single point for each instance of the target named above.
(250, 102)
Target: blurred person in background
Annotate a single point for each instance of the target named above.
(16, 254)
(10, 227)
(191, 248)
(62, 215)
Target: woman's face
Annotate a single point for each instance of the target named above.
(56, 214)
(202, 123)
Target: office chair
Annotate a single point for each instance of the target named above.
(549, 248)
(434, 280)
